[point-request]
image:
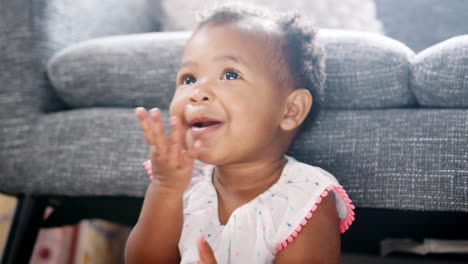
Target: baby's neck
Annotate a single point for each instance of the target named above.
(247, 180)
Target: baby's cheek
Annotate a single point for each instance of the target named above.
(173, 109)
(176, 106)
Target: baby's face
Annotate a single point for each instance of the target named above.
(227, 96)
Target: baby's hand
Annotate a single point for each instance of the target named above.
(205, 252)
(172, 165)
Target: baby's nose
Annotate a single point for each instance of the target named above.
(201, 94)
(196, 99)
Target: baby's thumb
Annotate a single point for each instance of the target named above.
(205, 251)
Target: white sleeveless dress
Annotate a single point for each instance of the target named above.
(257, 230)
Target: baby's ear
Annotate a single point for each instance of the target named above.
(298, 105)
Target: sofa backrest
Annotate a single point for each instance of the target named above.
(31, 31)
(119, 71)
(61, 23)
(439, 76)
(364, 71)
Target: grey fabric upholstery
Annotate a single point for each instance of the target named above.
(413, 159)
(386, 150)
(20, 97)
(25, 94)
(56, 24)
(385, 158)
(60, 23)
(364, 70)
(85, 152)
(132, 70)
(440, 74)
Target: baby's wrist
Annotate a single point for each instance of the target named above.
(161, 181)
(168, 189)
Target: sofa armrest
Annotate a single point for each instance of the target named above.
(30, 32)
(19, 100)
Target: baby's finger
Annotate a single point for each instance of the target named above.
(192, 153)
(175, 141)
(142, 115)
(205, 251)
(156, 125)
(180, 132)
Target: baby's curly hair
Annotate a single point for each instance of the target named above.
(298, 48)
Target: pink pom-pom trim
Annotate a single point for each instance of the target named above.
(149, 170)
(344, 224)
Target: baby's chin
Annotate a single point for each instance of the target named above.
(206, 153)
(206, 156)
(203, 154)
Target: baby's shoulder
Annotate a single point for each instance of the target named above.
(293, 200)
(302, 172)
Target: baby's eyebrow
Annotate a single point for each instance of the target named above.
(187, 63)
(233, 58)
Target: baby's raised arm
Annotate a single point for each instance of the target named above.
(155, 237)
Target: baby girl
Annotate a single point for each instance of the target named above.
(223, 188)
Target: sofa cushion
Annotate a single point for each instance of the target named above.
(129, 70)
(390, 159)
(364, 70)
(414, 159)
(85, 152)
(440, 74)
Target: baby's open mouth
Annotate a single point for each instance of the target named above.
(205, 124)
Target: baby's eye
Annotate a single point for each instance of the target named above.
(230, 75)
(188, 79)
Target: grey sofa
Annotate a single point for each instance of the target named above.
(394, 129)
